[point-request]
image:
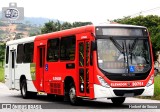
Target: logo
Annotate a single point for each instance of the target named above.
(21, 106)
(6, 106)
(129, 84)
(12, 13)
(131, 68)
(120, 84)
(128, 74)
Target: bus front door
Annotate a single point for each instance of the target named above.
(41, 59)
(83, 67)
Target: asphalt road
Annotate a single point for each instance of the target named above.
(12, 96)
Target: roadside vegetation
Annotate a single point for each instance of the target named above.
(1, 73)
(156, 89)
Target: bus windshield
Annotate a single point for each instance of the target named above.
(124, 55)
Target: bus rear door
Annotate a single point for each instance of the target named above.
(41, 62)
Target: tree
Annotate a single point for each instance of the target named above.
(66, 25)
(57, 26)
(50, 27)
(78, 24)
(2, 52)
(152, 22)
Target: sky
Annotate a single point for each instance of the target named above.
(96, 11)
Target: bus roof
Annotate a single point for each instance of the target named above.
(23, 40)
(67, 32)
(119, 25)
(82, 29)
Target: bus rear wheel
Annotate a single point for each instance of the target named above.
(118, 100)
(24, 91)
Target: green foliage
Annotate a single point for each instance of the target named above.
(34, 31)
(1, 74)
(2, 51)
(78, 24)
(152, 22)
(66, 25)
(157, 87)
(50, 27)
(57, 26)
(2, 34)
(156, 90)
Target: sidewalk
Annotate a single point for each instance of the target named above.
(5, 90)
(3, 86)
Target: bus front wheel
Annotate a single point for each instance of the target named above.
(118, 100)
(72, 96)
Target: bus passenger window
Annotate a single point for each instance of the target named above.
(13, 59)
(53, 50)
(7, 54)
(28, 52)
(20, 53)
(68, 48)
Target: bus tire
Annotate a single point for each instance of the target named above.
(72, 96)
(51, 96)
(32, 94)
(118, 100)
(24, 92)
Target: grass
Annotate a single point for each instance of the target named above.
(156, 90)
(1, 73)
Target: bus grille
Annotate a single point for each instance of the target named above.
(136, 92)
(55, 88)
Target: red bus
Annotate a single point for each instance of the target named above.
(112, 61)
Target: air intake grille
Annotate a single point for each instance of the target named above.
(123, 92)
(55, 88)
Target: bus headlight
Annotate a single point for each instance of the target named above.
(150, 82)
(102, 81)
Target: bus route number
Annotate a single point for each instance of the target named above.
(137, 84)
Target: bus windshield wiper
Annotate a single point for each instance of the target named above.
(121, 49)
(133, 46)
(117, 45)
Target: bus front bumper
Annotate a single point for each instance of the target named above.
(103, 92)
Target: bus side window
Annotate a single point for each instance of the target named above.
(28, 52)
(20, 53)
(53, 50)
(7, 54)
(68, 48)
